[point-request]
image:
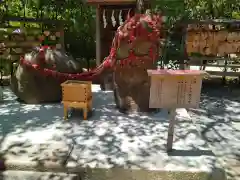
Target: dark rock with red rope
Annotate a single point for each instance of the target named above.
(33, 86)
(134, 50)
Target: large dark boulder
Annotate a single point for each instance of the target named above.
(34, 87)
(139, 36)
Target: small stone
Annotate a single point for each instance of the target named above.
(13, 153)
(53, 159)
(57, 138)
(72, 164)
(27, 144)
(22, 151)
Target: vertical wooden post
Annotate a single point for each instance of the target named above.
(172, 116)
(226, 59)
(62, 37)
(183, 47)
(98, 36)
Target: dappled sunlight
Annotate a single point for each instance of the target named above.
(18, 175)
(107, 139)
(218, 120)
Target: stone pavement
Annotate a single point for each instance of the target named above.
(218, 121)
(109, 145)
(33, 175)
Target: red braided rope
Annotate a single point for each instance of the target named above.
(110, 62)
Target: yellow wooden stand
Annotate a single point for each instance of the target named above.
(77, 94)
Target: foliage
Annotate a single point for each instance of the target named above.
(178, 11)
(80, 32)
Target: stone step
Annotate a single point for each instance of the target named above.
(33, 175)
(113, 174)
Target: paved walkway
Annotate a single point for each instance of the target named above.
(218, 120)
(34, 136)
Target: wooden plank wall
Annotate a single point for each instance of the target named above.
(18, 43)
(214, 44)
(18, 40)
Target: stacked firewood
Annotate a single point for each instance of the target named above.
(209, 41)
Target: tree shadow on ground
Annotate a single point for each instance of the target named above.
(19, 175)
(38, 133)
(218, 120)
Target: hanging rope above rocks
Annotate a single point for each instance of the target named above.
(141, 25)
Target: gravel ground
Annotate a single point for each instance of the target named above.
(218, 120)
(37, 137)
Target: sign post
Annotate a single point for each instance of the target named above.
(172, 89)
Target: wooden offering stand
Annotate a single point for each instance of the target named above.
(77, 94)
(173, 89)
